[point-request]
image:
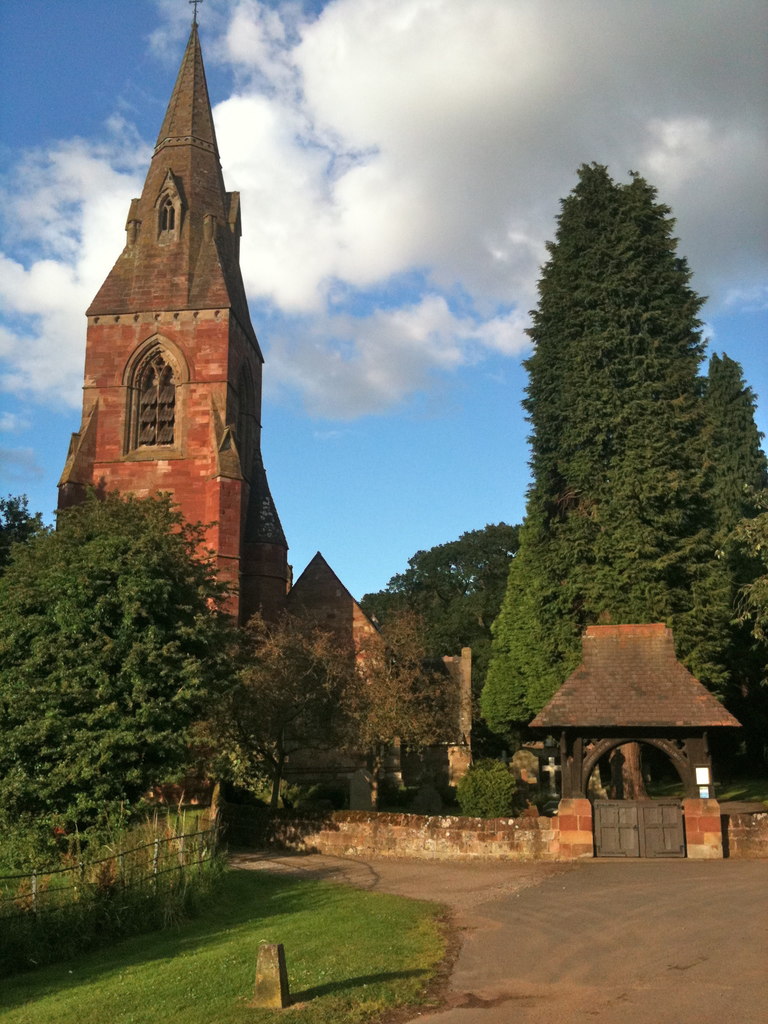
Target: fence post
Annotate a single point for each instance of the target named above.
(155, 856)
(34, 892)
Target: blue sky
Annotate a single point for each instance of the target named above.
(400, 164)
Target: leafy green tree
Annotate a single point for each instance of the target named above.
(17, 524)
(456, 589)
(400, 693)
(291, 693)
(617, 523)
(112, 641)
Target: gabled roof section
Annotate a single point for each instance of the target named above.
(262, 523)
(319, 571)
(319, 588)
(630, 677)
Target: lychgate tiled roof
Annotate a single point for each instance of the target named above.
(629, 676)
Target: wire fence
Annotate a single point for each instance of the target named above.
(145, 866)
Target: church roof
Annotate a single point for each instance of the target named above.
(196, 264)
(629, 677)
(262, 523)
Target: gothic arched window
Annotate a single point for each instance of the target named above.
(168, 215)
(155, 398)
(168, 210)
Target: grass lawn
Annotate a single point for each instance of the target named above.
(743, 789)
(351, 955)
(737, 789)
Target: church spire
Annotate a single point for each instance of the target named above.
(173, 370)
(183, 232)
(188, 119)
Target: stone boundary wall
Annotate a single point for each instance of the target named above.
(367, 834)
(746, 836)
(565, 837)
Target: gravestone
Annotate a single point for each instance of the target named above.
(525, 767)
(361, 791)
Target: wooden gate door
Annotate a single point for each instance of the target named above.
(638, 828)
(661, 829)
(617, 832)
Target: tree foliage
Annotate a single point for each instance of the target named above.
(737, 466)
(456, 589)
(112, 641)
(292, 693)
(17, 525)
(737, 472)
(752, 604)
(619, 523)
(401, 693)
(487, 790)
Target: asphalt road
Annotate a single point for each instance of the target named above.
(644, 942)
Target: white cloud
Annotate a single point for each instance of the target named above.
(347, 366)
(12, 423)
(382, 141)
(19, 465)
(67, 208)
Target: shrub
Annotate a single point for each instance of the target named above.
(487, 790)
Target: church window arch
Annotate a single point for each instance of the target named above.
(153, 380)
(168, 210)
(155, 402)
(167, 215)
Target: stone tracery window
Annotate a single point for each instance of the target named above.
(155, 402)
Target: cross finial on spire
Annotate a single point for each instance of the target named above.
(194, 4)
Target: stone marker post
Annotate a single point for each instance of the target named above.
(271, 988)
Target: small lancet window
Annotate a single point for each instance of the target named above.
(168, 216)
(156, 387)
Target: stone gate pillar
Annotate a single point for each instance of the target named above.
(703, 829)
(574, 822)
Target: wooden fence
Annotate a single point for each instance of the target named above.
(44, 891)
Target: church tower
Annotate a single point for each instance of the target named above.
(172, 391)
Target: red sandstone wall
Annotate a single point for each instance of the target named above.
(364, 834)
(747, 836)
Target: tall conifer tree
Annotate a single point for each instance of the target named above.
(738, 467)
(617, 523)
(737, 475)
